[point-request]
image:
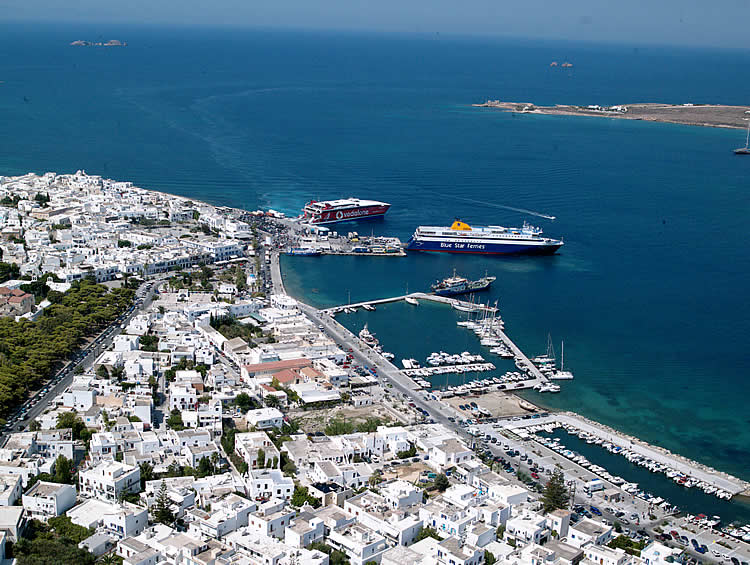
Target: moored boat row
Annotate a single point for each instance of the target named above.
(643, 461)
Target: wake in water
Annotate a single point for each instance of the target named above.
(503, 207)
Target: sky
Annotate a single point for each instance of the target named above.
(701, 23)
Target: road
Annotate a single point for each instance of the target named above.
(84, 359)
(635, 510)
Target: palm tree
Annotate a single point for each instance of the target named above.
(110, 559)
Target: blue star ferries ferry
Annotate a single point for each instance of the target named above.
(462, 238)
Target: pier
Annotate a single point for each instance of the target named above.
(416, 296)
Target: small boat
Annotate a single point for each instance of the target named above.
(411, 300)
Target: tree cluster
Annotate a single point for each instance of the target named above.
(52, 543)
(230, 328)
(31, 351)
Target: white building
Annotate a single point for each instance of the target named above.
(527, 528)
(47, 500)
(269, 483)
(603, 555)
(360, 544)
(10, 489)
(252, 445)
(108, 479)
(588, 531)
(264, 418)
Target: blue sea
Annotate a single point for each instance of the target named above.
(649, 291)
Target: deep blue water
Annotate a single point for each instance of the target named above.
(649, 290)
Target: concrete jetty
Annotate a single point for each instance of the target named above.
(418, 296)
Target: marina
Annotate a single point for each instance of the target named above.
(680, 470)
(642, 482)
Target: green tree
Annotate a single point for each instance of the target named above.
(63, 470)
(102, 372)
(147, 473)
(427, 532)
(175, 420)
(301, 496)
(204, 467)
(272, 401)
(289, 468)
(162, 512)
(405, 454)
(339, 427)
(227, 439)
(489, 558)
(244, 402)
(73, 421)
(555, 493)
(441, 482)
(261, 458)
(369, 425)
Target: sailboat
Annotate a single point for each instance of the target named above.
(562, 374)
(549, 357)
(745, 150)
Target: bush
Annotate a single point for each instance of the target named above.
(339, 427)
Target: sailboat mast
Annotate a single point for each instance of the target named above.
(562, 354)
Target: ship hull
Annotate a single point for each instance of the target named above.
(485, 248)
(349, 214)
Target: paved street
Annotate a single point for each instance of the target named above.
(84, 359)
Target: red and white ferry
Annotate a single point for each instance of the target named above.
(343, 210)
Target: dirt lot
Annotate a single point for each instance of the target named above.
(500, 404)
(316, 420)
(410, 472)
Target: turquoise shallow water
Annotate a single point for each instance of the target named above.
(649, 290)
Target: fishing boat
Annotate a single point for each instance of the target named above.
(411, 300)
(452, 286)
(368, 337)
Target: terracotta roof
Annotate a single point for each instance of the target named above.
(274, 366)
(286, 376)
(311, 372)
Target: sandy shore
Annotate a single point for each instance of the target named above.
(718, 116)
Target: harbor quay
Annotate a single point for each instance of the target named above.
(681, 465)
(497, 432)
